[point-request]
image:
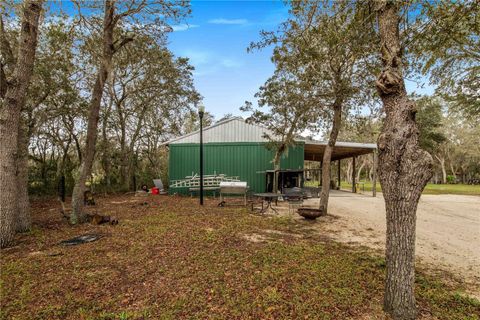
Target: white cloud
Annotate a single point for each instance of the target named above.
(183, 27)
(208, 62)
(231, 63)
(228, 21)
(198, 57)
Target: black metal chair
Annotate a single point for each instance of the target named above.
(294, 197)
(311, 192)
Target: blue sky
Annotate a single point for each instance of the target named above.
(216, 38)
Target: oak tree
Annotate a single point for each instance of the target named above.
(15, 74)
(121, 21)
(404, 168)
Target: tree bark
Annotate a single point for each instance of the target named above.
(359, 173)
(23, 221)
(286, 141)
(94, 114)
(348, 177)
(25, 131)
(106, 158)
(132, 156)
(124, 160)
(124, 169)
(12, 103)
(444, 171)
(404, 168)
(327, 157)
(276, 168)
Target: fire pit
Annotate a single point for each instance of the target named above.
(310, 213)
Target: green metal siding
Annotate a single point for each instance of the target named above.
(246, 160)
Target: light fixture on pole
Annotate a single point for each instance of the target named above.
(201, 112)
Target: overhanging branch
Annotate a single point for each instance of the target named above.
(119, 44)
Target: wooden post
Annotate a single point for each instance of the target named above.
(354, 173)
(374, 182)
(321, 174)
(338, 175)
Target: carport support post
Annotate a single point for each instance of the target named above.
(320, 175)
(338, 175)
(354, 173)
(374, 178)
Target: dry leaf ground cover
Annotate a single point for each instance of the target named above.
(170, 259)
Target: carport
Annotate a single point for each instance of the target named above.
(314, 150)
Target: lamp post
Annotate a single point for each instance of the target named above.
(201, 112)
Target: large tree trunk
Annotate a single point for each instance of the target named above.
(404, 168)
(89, 152)
(25, 130)
(327, 157)
(12, 103)
(23, 222)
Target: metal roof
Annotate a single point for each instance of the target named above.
(343, 144)
(228, 130)
(237, 130)
(314, 150)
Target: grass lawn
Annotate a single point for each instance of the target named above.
(170, 259)
(431, 188)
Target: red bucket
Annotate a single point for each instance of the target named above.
(155, 190)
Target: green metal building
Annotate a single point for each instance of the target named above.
(247, 160)
(238, 149)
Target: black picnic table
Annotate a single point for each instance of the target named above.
(267, 197)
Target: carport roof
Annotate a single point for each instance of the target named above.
(314, 150)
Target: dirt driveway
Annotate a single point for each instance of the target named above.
(448, 229)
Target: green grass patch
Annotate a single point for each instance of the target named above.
(461, 189)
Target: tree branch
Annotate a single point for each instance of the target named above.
(120, 44)
(130, 10)
(5, 47)
(3, 82)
